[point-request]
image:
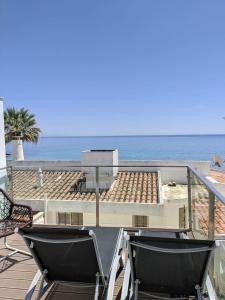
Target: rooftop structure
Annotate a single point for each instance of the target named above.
(107, 174)
(139, 187)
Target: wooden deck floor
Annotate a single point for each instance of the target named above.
(16, 274)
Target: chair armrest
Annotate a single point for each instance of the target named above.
(22, 213)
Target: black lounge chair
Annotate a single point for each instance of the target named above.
(166, 268)
(79, 258)
(12, 216)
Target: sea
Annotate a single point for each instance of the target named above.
(157, 147)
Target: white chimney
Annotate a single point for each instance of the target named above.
(2, 147)
(99, 158)
(17, 149)
(39, 179)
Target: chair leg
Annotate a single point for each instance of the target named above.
(199, 292)
(43, 285)
(136, 284)
(97, 287)
(33, 285)
(14, 251)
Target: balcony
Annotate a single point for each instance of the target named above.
(155, 197)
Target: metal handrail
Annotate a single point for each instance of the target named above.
(100, 166)
(5, 168)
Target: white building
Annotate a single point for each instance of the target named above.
(134, 194)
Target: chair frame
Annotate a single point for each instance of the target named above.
(106, 284)
(131, 284)
(23, 217)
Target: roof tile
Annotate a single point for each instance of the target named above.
(139, 187)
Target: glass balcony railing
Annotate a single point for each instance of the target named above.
(219, 258)
(131, 196)
(208, 222)
(199, 204)
(122, 196)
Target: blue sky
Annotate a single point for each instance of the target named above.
(88, 67)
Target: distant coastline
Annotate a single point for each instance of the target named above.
(145, 147)
(130, 135)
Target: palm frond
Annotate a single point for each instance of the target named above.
(20, 124)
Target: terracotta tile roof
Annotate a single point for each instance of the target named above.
(201, 207)
(201, 211)
(219, 176)
(140, 187)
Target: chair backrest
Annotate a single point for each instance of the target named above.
(170, 266)
(6, 205)
(108, 240)
(67, 254)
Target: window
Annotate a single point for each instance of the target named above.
(65, 218)
(140, 221)
(76, 219)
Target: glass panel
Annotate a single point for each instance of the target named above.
(6, 180)
(200, 208)
(159, 194)
(219, 259)
(143, 196)
(202, 202)
(219, 219)
(219, 270)
(57, 189)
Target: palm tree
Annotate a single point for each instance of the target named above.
(20, 127)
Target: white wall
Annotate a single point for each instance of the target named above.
(111, 213)
(99, 158)
(166, 168)
(168, 172)
(2, 146)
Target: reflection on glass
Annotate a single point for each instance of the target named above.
(200, 208)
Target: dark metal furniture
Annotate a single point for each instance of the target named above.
(166, 268)
(12, 216)
(87, 258)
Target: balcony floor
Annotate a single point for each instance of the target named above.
(16, 274)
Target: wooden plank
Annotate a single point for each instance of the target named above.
(16, 275)
(10, 293)
(14, 284)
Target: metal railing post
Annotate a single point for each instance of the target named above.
(189, 199)
(11, 183)
(97, 194)
(211, 225)
(46, 208)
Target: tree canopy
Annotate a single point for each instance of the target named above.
(20, 124)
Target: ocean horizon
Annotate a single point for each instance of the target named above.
(130, 147)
